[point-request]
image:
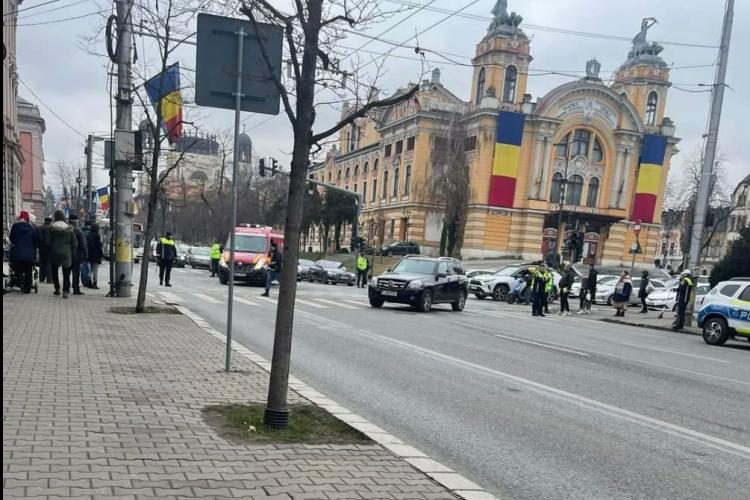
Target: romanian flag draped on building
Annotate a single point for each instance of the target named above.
(649, 178)
(164, 88)
(103, 194)
(505, 164)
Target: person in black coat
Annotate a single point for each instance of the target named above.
(78, 257)
(643, 291)
(45, 264)
(23, 247)
(95, 253)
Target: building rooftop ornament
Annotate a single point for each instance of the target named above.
(504, 24)
(592, 69)
(642, 51)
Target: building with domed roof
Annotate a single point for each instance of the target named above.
(605, 149)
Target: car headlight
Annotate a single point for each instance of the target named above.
(415, 285)
(373, 282)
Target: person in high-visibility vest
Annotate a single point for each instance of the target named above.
(166, 250)
(361, 271)
(538, 289)
(684, 293)
(215, 257)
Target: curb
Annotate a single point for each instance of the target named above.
(651, 327)
(444, 476)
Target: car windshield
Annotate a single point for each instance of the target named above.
(249, 243)
(329, 264)
(608, 280)
(204, 252)
(506, 271)
(181, 248)
(416, 266)
(305, 262)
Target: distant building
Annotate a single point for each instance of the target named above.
(740, 217)
(12, 156)
(32, 127)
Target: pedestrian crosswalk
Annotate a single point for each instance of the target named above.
(206, 298)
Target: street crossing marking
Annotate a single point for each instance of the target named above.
(267, 299)
(334, 303)
(206, 298)
(246, 302)
(674, 352)
(170, 297)
(311, 303)
(358, 304)
(541, 344)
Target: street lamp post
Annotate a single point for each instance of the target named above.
(563, 183)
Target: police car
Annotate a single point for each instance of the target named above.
(726, 312)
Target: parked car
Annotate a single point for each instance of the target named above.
(498, 284)
(726, 312)
(303, 266)
(137, 254)
(330, 271)
(605, 293)
(421, 282)
(180, 259)
(666, 298)
(575, 290)
(478, 272)
(400, 248)
(200, 258)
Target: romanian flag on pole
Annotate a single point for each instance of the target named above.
(505, 163)
(164, 88)
(649, 178)
(103, 193)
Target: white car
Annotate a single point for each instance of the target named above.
(605, 293)
(498, 284)
(575, 290)
(667, 298)
(137, 254)
(726, 312)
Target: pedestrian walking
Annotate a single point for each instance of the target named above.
(63, 244)
(78, 257)
(23, 246)
(582, 296)
(361, 271)
(644, 290)
(538, 290)
(166, 250)
(565, 283)
(215, 257)
(548, 288)
(684, 293)
(95, 253)
(621, 297)
(45, 265)
(274, 268)
(590, 291)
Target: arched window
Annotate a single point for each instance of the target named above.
(407, 180)
(329, 176)
(509, 90)
(561, 148)
(374, 189)
(385, 184)
(395, 181)
(575, 188)
(597, 153)
(356, 170)
(554, 194)
(366, 168)
(348, 173)
(581, 140)
(481, 81)
(375, 165)
(593, 193)
(338, 176)
(653, 99)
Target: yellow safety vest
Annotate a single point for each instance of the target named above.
(215, 251)
(361, 263)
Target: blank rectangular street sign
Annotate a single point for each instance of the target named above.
(216, 64)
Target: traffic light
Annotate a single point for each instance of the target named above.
(274, 165)
(262, 167)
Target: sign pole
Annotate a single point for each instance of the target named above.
(634, 249)
(237, 105)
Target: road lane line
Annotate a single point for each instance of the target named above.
(358, 304)
(310, 303)
(206, 298)
(334, 303)
(541, 345)
(674, 352)
(246, 302)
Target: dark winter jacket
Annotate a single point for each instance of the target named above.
(623, 289)
(642, 290)
(94, 247)
(276, 261)
(166, 249)
(567, 280)
(592, 279)
(23, 242)
(684, 290)
(43, 236)
(63, 244)
(82, 248)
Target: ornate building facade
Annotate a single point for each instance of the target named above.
(12, 156)
(605, 149)
(31, 137)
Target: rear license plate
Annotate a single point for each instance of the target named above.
(390, 294)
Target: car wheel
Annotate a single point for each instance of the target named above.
(479, 296)
(376, 302)
(350, 284)
(389, 254)
(500, 292)
(610, 300)
(192, 265)
(459, 304)
(715, 331)
(309, 277)
(425, 301)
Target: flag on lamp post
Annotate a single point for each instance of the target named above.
(164, 88)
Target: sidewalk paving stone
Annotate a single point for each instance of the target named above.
(103, 405)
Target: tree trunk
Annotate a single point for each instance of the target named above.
(276, 413)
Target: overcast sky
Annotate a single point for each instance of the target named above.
(73, 83)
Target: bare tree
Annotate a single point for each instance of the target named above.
(311, 30)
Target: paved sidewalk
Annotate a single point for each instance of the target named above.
(103, 405)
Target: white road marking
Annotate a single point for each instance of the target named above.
(541, 345)
(359, 304)
(206, 298)
(310, 303)
(245, 301)
(169, 297)
(674, 352)
(334, 303)
(267, 299)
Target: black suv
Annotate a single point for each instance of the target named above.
(400, 248)
(421, 282)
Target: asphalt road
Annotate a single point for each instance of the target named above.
(529, 408)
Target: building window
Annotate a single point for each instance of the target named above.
(481, 81)
(356, 170)
(581, 140)
(374, 189)
(329, 176)
(407, 180)
(375, 165)
(385, 184)
(338, 176)
(561, 148)
(653, 99)
(593, 193)
(509, 90)
(575, 188)
(597, 154)
(470, 143)
(395, 181)
(366, 168)
(393, 227)
(364, 191)
(399, 147)
(554, 195)
(387, 150)
(410, 144)
(348, 173)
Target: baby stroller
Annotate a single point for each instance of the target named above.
(12, 281)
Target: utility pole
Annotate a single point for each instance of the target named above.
(709, 155)
(563, 183)
(78, 192)
(90, 211)
(124, 176)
